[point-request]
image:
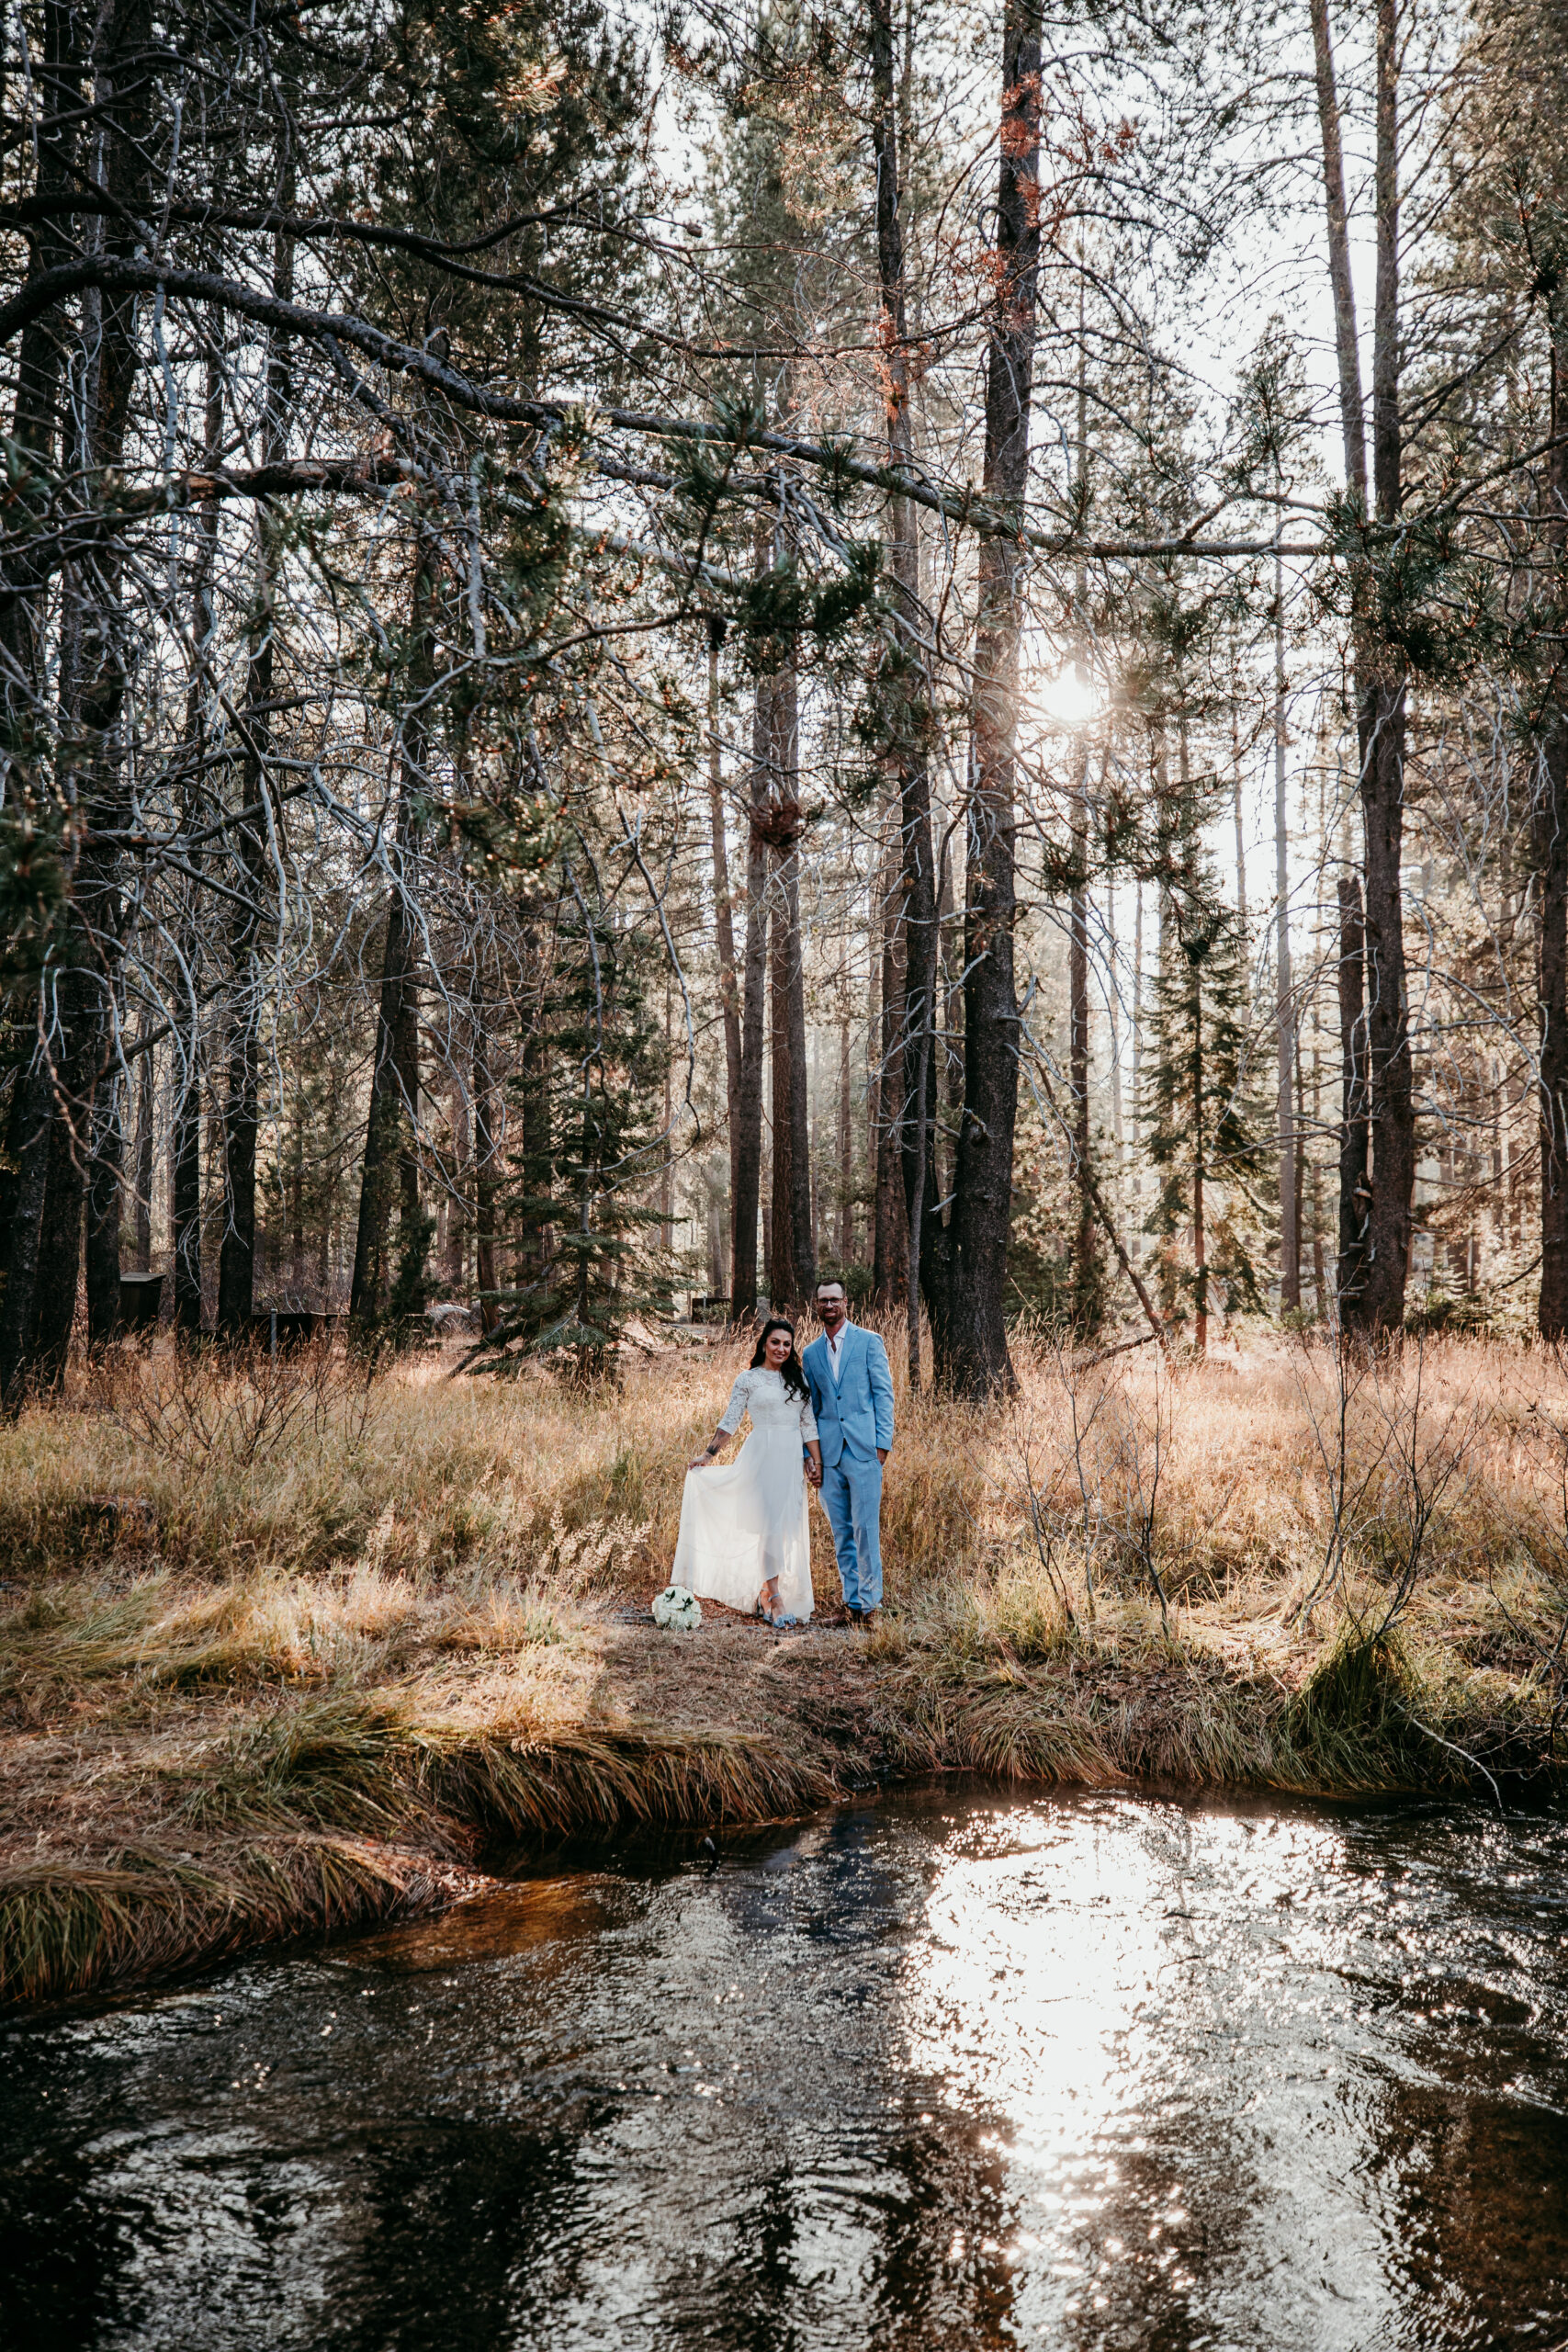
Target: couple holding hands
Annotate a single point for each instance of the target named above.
(824, 1419)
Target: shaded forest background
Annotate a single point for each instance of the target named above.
(647, 655)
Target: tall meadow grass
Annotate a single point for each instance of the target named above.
(283, 1642)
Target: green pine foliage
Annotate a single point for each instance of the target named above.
(1203, 1135)
(585, 1262)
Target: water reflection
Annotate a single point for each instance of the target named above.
(951, 2070)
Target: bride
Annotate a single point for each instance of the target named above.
(745, 1534)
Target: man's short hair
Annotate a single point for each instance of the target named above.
(829, 1282)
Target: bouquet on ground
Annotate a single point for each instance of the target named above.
(677, 1610)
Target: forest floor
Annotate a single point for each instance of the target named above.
(283, 1649)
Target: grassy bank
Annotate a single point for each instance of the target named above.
(284, 1649)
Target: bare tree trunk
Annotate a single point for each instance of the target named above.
(1342, 287)
(31, 1126)
(799, 1098)
(1290, 1222)
(747, 1197)
(890, 1240)
(915, 1062)
(40, 352)
(1138, 1069)
(1118, 1127)
(185, 1186)
(724, 920)
(1551, 829)
(1200, 1237)
(1354, 1195)
(846, 1135)
(951, 1093)
(145, 1102)
(57, 78)
(1551, 869)
(1299, 1152)
(1313, 1163)
(93, 675)
(1379, 1218)
(390, 1154)
(1236, 813)
(253, 840)
(1389, 1074)
(667, 1164)
(1086, 1253)
(976, 1351)
(187, 1064)
(103, 1211)
(873, 1043)
(782, 1283)
(486, 1171)
(1088, 1300)
(297, 1276)
(792, 1266)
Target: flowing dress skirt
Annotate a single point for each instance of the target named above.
(747, 1521)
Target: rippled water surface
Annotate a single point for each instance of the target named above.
(954, 2069)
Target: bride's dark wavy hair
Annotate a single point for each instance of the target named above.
(793, 1378)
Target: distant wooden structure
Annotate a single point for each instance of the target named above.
(139, 1297)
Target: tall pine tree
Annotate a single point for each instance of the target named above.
(1200, 1136)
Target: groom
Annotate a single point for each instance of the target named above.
(852, 1395)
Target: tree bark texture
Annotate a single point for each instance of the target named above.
(254, 843)
(975, 1359)
(184, 1188)
(93, 677)
(792, 1201)
(41, 350)
(1379, 1215)
(32, 1125)
(1380, 1307)
(1354, 1193)
(141, 1178)
(1551, 871)
(1341, 285)
(913, 1061)
(1285, 1011)
(389, 1132)
(792, 1268)
(724, 918)
(103, 1211)
(1550, 826)
(486, 1171)
(747, 1197)
(890, 1238)
(1087, 1311)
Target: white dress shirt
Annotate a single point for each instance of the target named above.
(835, 1350)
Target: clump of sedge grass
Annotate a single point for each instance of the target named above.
(338, 1811)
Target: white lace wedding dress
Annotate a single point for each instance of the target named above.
(745, 1521)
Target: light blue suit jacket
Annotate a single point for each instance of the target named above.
(859, 1408)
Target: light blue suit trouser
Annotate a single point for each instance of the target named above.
(852, 1492)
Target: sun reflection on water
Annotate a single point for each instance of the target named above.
(943, 2073)
(1070, 1980)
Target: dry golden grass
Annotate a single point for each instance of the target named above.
(281, 1649)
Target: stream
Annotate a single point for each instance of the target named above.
(956, 2067)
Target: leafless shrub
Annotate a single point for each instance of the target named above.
(200, 1406)
(1144, 1456)
(1329, 1397)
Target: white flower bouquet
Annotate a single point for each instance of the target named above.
(677, 1610)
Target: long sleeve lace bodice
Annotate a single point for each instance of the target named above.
(762, 1393)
